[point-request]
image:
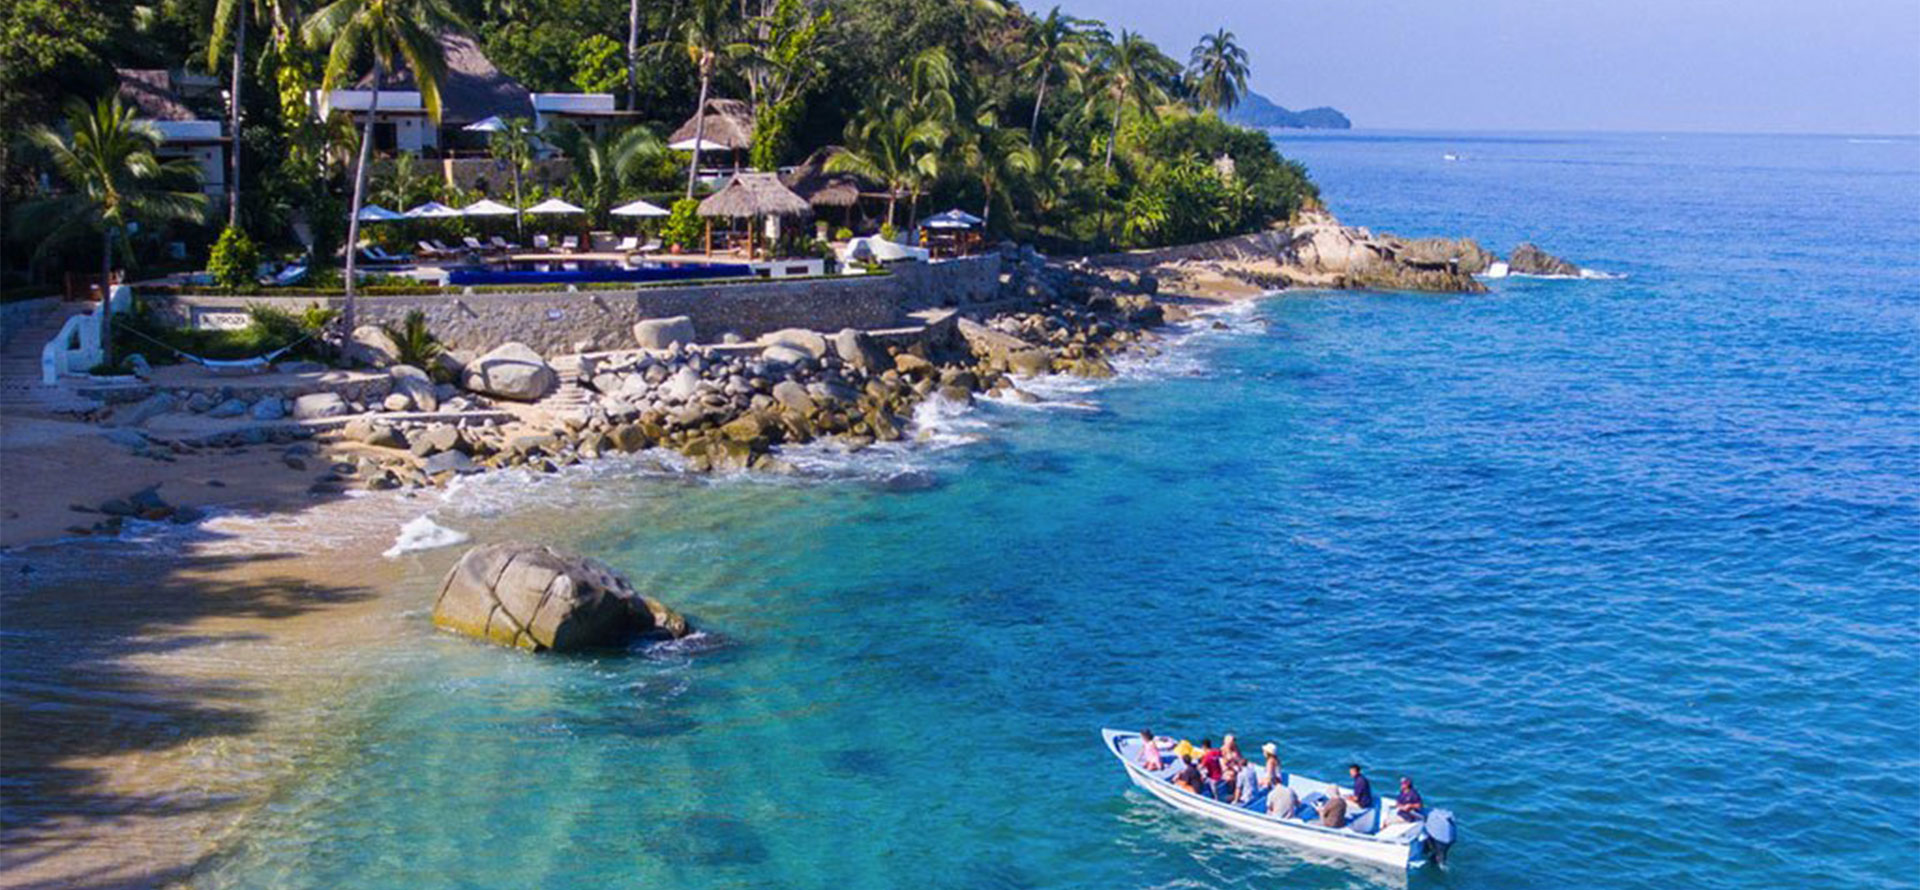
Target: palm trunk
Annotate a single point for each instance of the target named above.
(893, 198)
(1033, 129)
(1113, 136)
(986, 207)
(633, 54)
(233, 128)
(106, 294)
(519, 219)
(699, 127)
(360, 194)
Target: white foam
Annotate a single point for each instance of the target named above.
(422, 533)
(1496, 270)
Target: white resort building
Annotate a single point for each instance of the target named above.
(152, 93)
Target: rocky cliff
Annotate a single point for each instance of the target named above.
(1256, 110)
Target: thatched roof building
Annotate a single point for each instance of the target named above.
(473, 89)
(820, 188)
(729, 123)
(755, 194)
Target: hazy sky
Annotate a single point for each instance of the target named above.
(1839, 66)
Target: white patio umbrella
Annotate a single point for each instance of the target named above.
(487, 207)
(491, 124)
(433, 210)
(640, 208)
(377, 213)
(706, 145)
(553, 207)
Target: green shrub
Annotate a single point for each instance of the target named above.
(416, 344)
(888, 232)
(843, 234)
(683, 228)
(235, 260)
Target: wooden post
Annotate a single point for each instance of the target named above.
(709, 237)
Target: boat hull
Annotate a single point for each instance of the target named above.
(1404, 852)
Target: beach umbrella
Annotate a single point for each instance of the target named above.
(553, 207)
(433, 210)
(639, 208)
(952, 219)
(491, 124)
(377, 213)
(706, 145)
(487, 207)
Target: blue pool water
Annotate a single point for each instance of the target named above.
(589, 271)
(1627, 573)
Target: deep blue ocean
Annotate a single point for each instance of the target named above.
(1624, 572)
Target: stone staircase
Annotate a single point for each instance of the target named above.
(572, 395)
(21, 392)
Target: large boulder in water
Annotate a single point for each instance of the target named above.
(541, 599)
(1530, 260)
(511, 371)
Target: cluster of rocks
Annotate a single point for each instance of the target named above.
(146, 504)
(1529, 259)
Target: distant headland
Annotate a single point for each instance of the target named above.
(1256, 110)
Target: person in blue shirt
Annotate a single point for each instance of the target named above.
(1408, 807)
(1362, 795)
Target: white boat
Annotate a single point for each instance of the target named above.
(1400, 845)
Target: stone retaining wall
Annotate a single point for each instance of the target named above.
(24, 313)
(555, 322)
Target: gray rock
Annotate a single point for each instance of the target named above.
(1030, 362)
(377, 434)
(810, 342)
(661, 333)
(131, 439)
(144, 410)
(199, 402)
(452, 362)
(833, 391)
(1528, 259)
(140, 366)
(302, 367)
(683, 385)
(782, 354)
(313, 406)
(793, 396)
(414, 383)
(541, 599)
(857, 349)
(438, 438)
(228, 408)
(371, 346)
(511, 371)
(269, 408)
(450, 462)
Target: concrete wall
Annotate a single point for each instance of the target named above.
(559, 322)
(24, 313)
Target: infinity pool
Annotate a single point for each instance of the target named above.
(583, 271)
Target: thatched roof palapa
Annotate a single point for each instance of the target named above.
(473, 89)
(150, 91)
(729, 123)
(755, 194)
(811, 181)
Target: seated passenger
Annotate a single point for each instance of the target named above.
(1246, 782)
(1150, 759)
(1282, 801)
(1212, 768)
(1189, 776)
(1333, 812)
(1408, 807)
(1362, 796)
(1270, 774)
(1230, 747)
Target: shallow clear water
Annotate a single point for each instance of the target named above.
(1623, 572)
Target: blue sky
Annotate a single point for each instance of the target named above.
(1843, 66)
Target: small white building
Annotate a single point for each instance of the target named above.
(150, 91)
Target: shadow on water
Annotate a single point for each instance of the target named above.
(81, 626)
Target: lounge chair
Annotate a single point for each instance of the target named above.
(570, 244)
(444, 249)
(503, 245)
(542, 243)
(652, 246)
(427, 249)
(291, 275)
(398, 258)
(474, 244)
(628, 244)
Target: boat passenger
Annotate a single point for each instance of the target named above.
(1212, 768)
(1408, 806)
(1282, 801)
(1246, 782)
(1230, 747)
(1189, 776)
(1270, 774)
(1333, 811)
(1362, 795)
(1150, 753)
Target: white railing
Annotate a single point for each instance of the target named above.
(76, 349)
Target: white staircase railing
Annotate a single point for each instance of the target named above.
(76, 349)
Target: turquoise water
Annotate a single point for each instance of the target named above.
(1624, 572)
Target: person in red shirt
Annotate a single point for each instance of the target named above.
(1212, 768)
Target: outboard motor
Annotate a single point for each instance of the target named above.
(1439, 840)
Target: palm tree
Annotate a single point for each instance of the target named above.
(602, 163)
(703, 35)
(1218, 71)
(514, 146)
(393, 32)
(231, 16)
(1055, 42)
(117, 178)
(890, 147)
(995, 155)
(1132, 69)
(1056, 169)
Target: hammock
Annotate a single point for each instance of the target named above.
(219, 366)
